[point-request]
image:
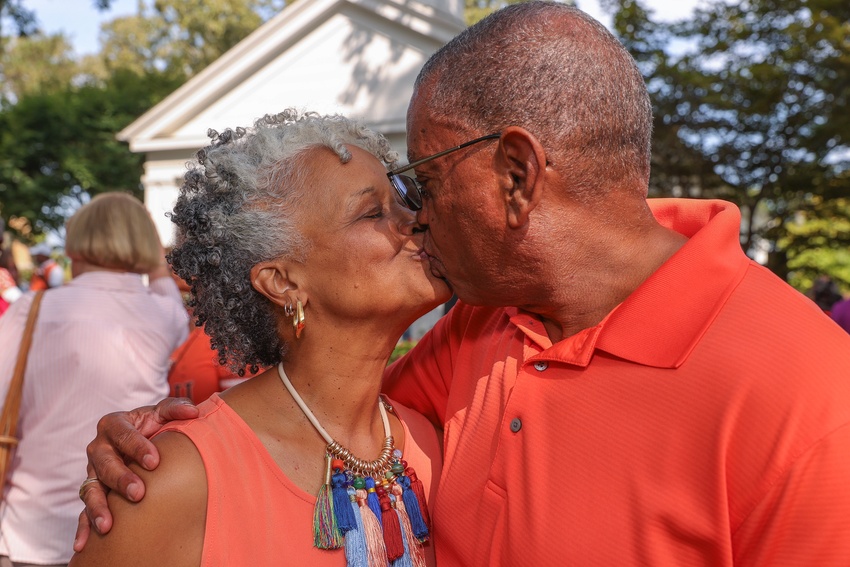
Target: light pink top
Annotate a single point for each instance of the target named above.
(101, 344)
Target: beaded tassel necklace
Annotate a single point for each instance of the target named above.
(375, 509)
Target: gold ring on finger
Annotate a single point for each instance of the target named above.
(85, 483)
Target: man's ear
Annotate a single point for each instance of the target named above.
(273, 280)
(522, 166)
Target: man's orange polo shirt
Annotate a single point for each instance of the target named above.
(705, 421)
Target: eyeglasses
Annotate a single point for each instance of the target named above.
(408, 188)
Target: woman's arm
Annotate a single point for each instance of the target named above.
(161, 282)
(167, 527)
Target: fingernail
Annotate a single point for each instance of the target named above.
(133, 492)
(98, 522)
(148, 462)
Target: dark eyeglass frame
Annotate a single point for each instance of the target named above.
(408, 188)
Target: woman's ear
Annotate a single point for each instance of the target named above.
(522, 161)
(272, 279)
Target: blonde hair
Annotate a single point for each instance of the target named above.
(114, 231)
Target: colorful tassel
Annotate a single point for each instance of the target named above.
(419, 491)
(372, 497)
(392, 530)
(376, 551)
(356, 552)
(405, 559)
(411, 504)
(325, 532)
(342, 504)
(412, 547)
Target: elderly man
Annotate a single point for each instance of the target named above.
(619, 384)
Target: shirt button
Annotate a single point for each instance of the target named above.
(541, 365)
(516, 424)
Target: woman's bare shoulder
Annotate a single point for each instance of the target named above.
(167, 526)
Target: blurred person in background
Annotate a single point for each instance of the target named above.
(840, 313)
(47, 273)
(100, 342)
(824, 292)
(9, 290)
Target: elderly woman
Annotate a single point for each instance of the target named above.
(100, 342)
(301, 259)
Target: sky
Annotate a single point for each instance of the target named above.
(81, 21)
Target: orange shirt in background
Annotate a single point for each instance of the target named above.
(705, 421)
(46, 276)
(195, 372)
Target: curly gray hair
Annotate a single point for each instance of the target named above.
(237, 207)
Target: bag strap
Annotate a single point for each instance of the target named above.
(9, 418)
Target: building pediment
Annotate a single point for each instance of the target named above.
(354, 57)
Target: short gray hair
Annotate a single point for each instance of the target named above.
(555, 71)
(237, 207)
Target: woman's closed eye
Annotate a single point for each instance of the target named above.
(375, 214)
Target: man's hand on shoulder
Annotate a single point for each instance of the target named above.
(122, 437)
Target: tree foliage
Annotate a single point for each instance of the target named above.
(37, 63)
(59, 115)
(750, 101)
(182, 36)
(58, 148)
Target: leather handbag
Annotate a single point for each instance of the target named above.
(12, 405)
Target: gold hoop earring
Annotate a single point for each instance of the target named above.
(298, 319)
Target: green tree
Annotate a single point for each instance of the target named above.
(58, 124)
(182, 36)
(817, 241)
(750, 101)
(37, 63)
(58, 148)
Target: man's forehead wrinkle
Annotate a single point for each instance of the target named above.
(411, 155)
(425, 132)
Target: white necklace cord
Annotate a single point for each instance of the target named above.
(312, 418)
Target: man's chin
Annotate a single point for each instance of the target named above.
(442, 279)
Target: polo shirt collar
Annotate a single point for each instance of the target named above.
(661, 322)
